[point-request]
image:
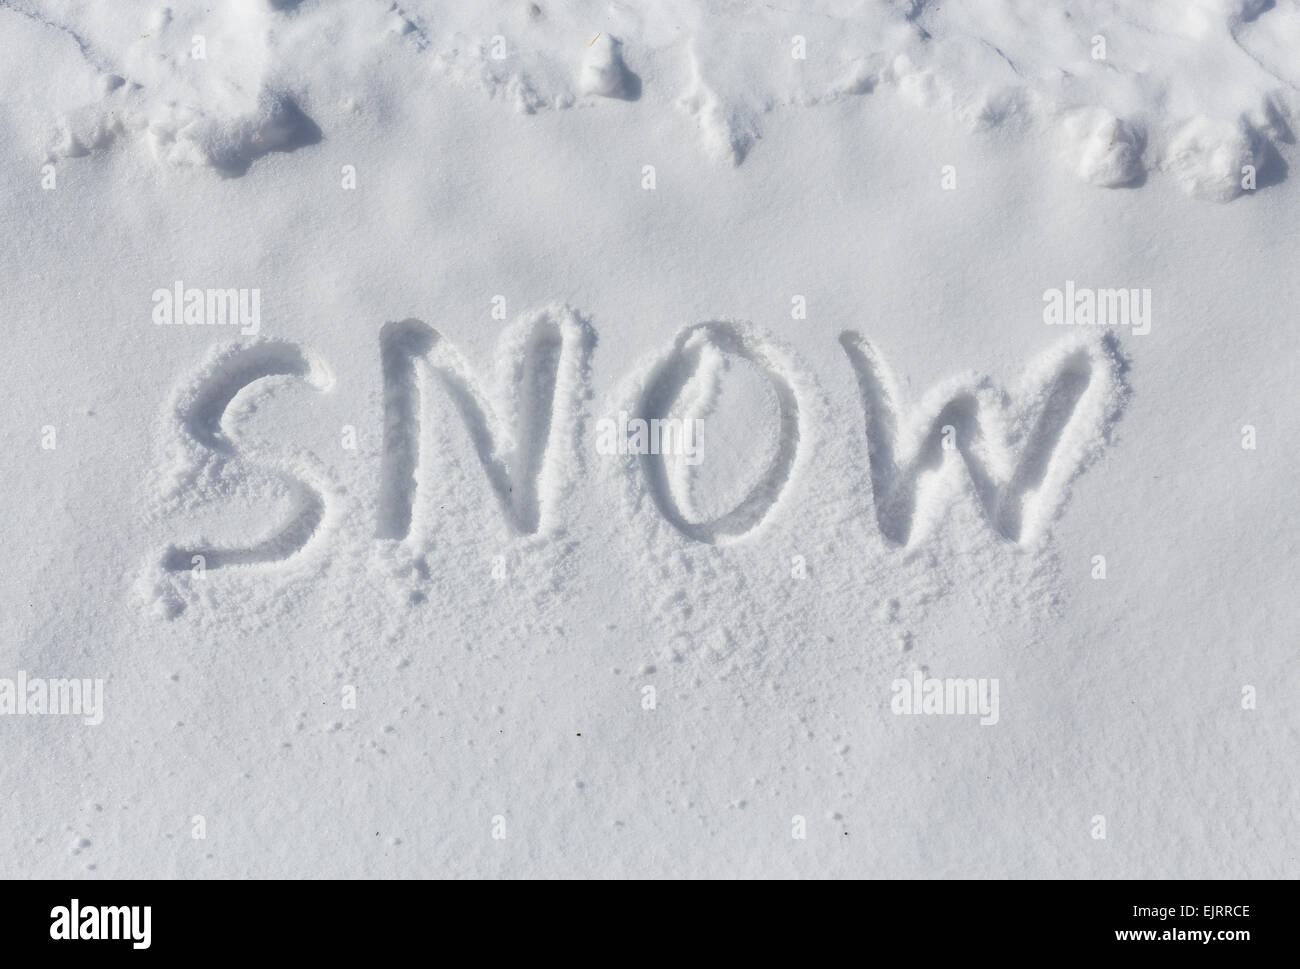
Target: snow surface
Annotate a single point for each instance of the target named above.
(477, 230)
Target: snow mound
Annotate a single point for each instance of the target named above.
(603, 72)
(1199, 90)
(1106, 151)
(1209, 159)
(200, 88)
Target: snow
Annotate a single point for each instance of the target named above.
(478, 230)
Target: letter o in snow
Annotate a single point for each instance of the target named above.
(662, 388)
